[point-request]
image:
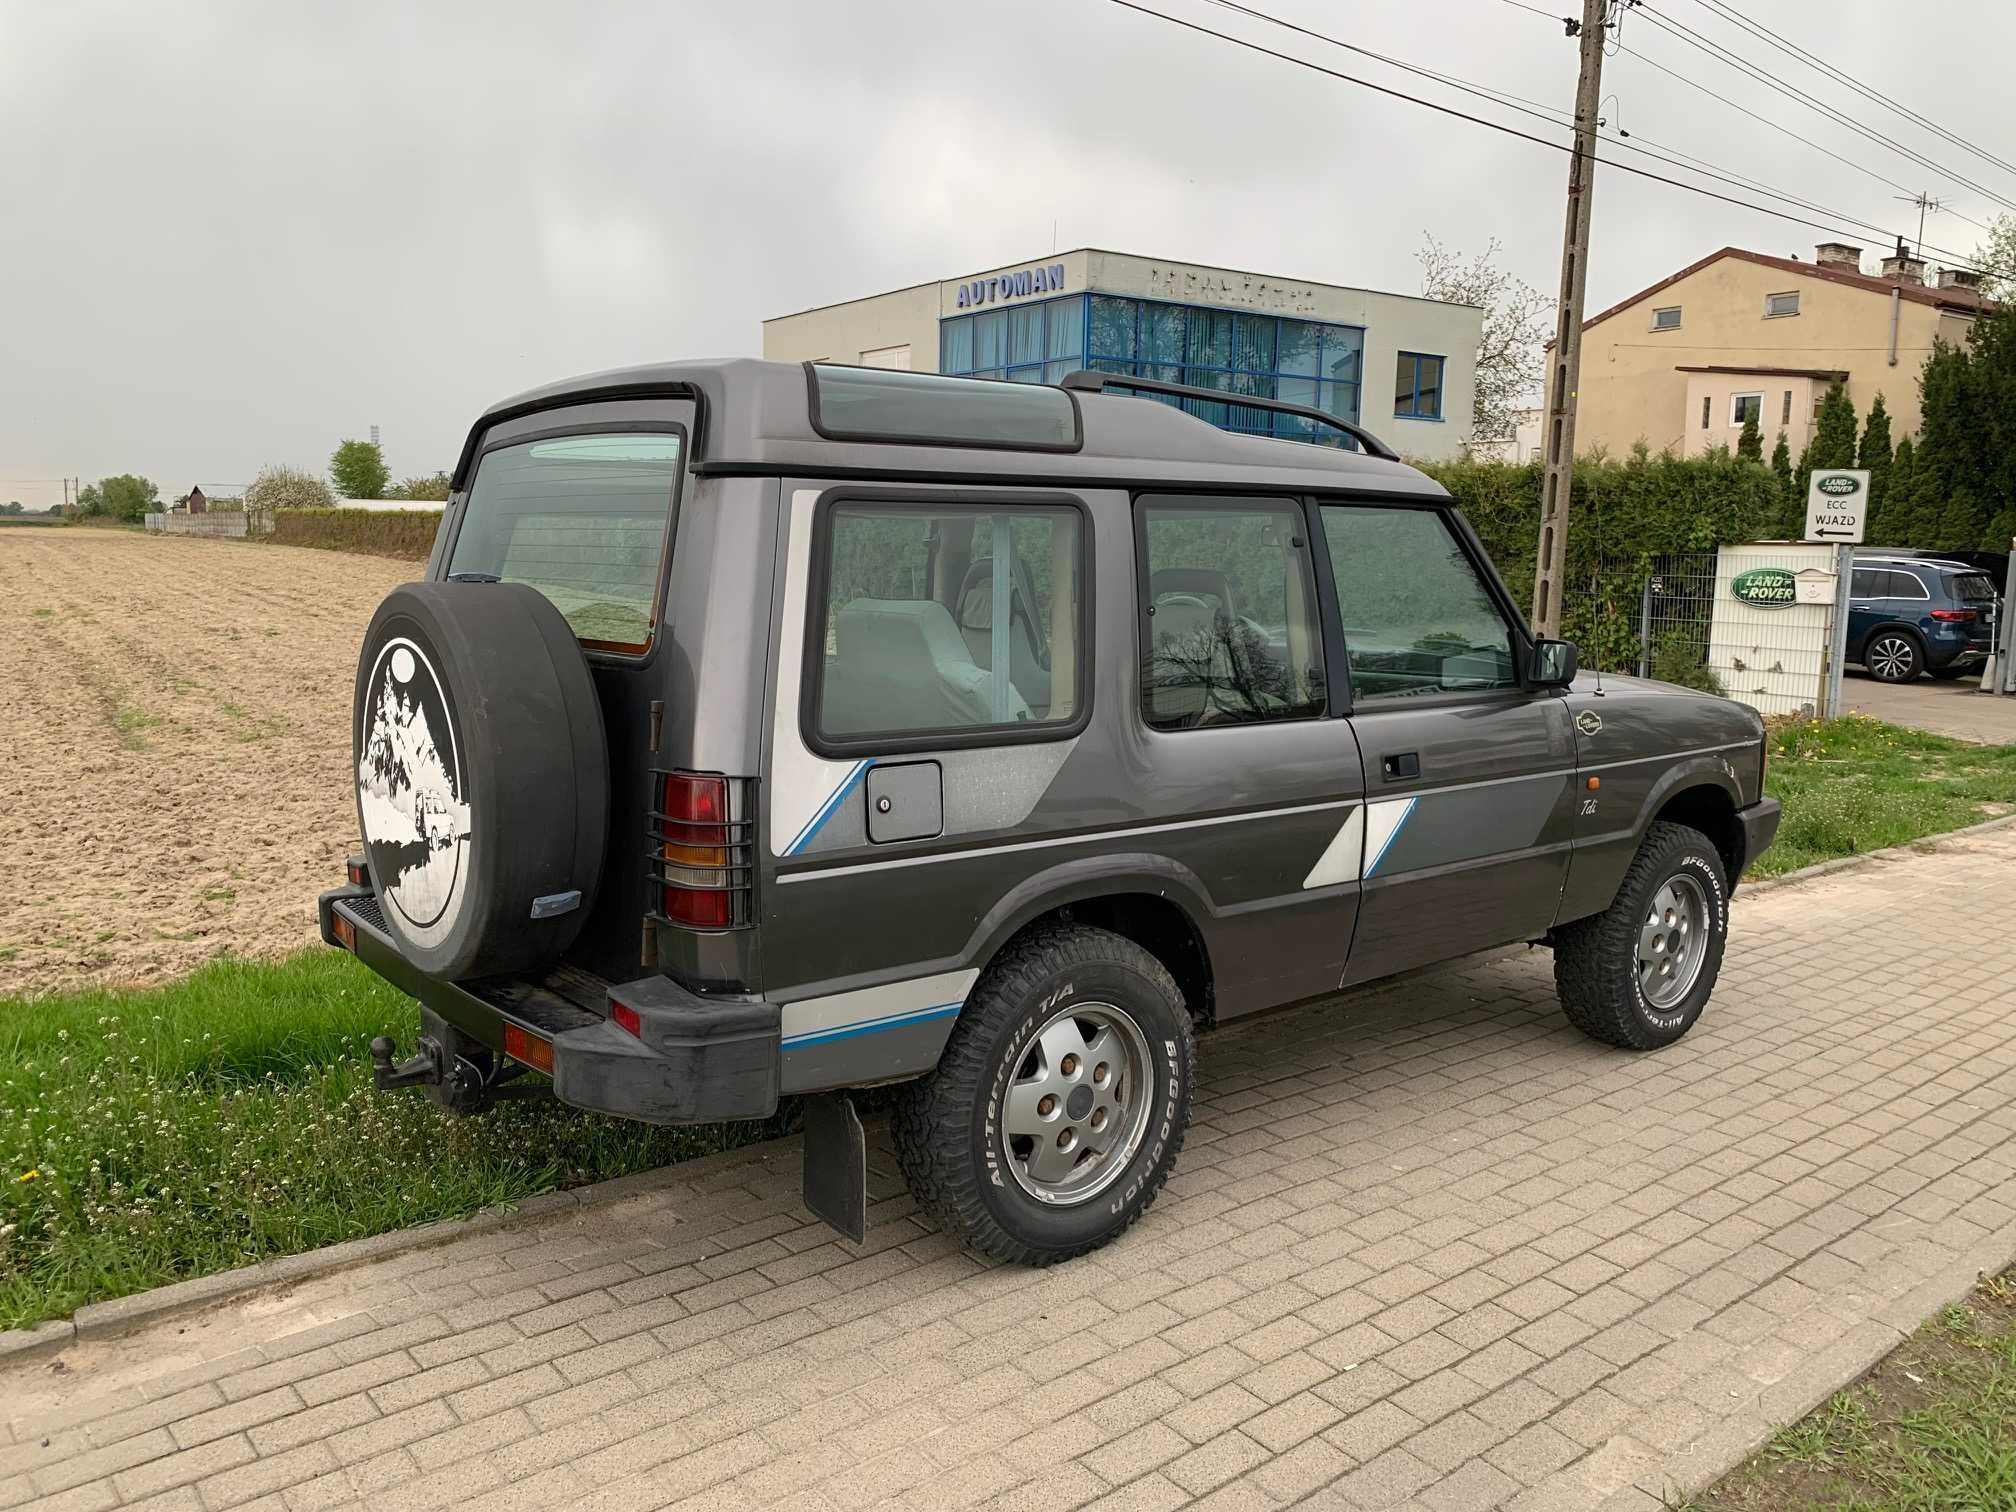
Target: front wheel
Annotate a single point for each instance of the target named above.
(1060, 1102)
(1893, 657)
(1638, 974)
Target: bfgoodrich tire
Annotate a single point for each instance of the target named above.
(1638, 974)
(1060, 1103)
(482, 776)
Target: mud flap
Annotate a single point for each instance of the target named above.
(836, 1164)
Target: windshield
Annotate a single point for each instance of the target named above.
(1973, 588)
(583, 520)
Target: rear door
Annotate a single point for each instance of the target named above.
(581, 503)
(1469, 776)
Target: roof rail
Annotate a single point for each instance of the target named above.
(1085, 381)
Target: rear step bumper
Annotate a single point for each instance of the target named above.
(692, 1060)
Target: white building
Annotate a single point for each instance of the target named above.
(1397, 364)
(1527, 443)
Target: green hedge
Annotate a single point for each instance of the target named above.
(404, 533)
(1623, 515)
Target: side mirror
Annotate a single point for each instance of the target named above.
(1554, 664)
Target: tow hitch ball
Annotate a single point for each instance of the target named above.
(424, 1070)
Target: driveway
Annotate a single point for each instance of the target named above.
(1955, 708)
(1426, 1247)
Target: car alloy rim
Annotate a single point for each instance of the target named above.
(1076, 1109)
(1673, 941)
(1891, 658)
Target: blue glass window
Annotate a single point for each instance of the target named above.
(1417, 387)
(1237, 352)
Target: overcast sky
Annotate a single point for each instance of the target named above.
(238, 233)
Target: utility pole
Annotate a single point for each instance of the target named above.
(1558, 480)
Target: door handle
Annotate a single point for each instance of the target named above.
(1401, 765)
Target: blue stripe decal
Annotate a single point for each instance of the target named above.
(828, 808)
(871, 1026)
(1394, 835)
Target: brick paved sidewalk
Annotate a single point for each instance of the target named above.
(1426, 1247)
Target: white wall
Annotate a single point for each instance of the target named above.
(1771, 659)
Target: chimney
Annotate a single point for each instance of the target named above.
(1838, 255)
(1958, 278)
(1904, 268)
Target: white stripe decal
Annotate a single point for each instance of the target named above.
(1382, 828)
(1340, 858)
(804, 788)
(919, 999)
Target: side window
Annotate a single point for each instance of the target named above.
(1417, 617)
(940, 619)
(1907, 585)
(1867, 583)
(1230, 633)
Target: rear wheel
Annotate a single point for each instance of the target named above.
(1893, 656)
(1060, 1102)
(1638, 974)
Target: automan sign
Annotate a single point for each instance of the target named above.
(1000, 287)
(1765, 587)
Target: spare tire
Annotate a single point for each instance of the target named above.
(482, 776)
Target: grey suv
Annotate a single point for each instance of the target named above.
(766, 731)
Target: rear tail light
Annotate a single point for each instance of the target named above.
(625, 1018)
(344, 930)
(1954, 616)
(702, 858)
(358, 871)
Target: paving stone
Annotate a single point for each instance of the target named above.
(1426, 1248)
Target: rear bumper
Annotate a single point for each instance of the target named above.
(1760, 828)
(692, 1060)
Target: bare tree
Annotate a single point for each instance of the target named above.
(1518, 319)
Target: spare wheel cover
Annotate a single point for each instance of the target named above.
(482, 776)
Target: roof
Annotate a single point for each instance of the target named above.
(755, 417)
(932, 283)
(1964, 301)
(1837, 375)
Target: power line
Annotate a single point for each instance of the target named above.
(1658, 152)
(1763, 76)
(1794, 50)
(1498, 126)
(1741, 109)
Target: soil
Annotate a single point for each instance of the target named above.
(177, 782)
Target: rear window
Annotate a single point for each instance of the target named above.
(1973, 587)
(875, 404)
(583, 520)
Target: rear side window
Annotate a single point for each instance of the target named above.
(581, 518)
(1417, 616)
(941, 620)
(1972, 588)
(1230, 632)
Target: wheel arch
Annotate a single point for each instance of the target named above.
(1159, 904)
(1705, 799)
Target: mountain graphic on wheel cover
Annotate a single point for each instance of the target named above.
(409, 796)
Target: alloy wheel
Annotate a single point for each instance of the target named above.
(1673, 941)
(1893, 658)
(1077, 1107)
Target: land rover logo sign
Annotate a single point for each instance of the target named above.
(1839, 485)
(410, 795)
(1765, 587)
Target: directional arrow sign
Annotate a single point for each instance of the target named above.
(1837, 504)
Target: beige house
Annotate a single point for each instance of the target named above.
(1681, 364)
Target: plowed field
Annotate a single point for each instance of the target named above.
(176, 779)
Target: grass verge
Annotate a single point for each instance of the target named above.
(1931, 1429)
(1856, 784)
(155, 1135)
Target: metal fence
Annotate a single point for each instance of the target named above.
(1647, 615)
